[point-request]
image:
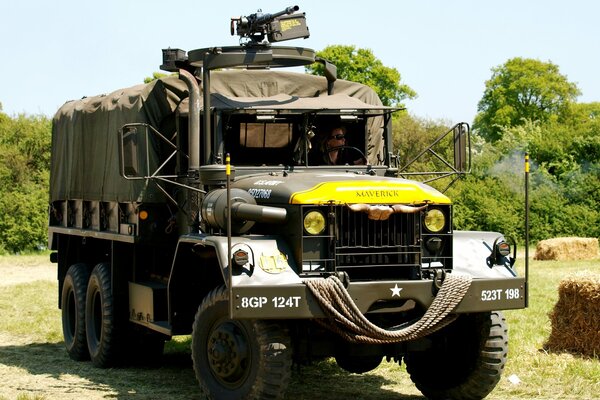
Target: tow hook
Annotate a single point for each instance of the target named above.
(438, 279)
(343, 277)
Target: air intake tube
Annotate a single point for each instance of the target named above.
(193, 119)
(244, 211)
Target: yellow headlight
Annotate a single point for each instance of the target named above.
(435, 220)
(314, 222)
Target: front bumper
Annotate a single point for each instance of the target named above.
(295, 301)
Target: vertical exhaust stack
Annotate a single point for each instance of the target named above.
(206, 123)
(193, 122)
(175, 60)
(194, 200)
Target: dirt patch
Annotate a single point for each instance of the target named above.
(25, 269)
(18, 375)
(19, 380)
(34, 368)
(44, 371)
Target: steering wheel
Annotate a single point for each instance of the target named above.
(355, 149)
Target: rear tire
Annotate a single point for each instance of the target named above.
(72, 304)
(238, 359)
(466, 360)
(100, 318)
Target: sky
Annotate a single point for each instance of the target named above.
(60, 50)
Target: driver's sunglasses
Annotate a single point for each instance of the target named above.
(339, 136)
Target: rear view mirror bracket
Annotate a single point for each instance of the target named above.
(461, 135)
(137, 161)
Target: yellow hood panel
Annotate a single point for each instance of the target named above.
(369, 192)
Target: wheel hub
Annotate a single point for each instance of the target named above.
(228, 353)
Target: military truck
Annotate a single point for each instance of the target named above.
(194, 205)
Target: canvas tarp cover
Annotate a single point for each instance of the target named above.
(85, 151)
(271, 83)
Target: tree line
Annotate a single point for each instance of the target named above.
(527, 106)
(24, 175)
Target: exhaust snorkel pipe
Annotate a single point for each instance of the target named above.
(193, 177)
(193, 122)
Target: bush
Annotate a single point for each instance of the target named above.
(23, 223)
(24, 171)
(487, 204)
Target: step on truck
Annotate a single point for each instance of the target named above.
(265, 213)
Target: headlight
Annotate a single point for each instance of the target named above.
(435, 220)
(314, 222)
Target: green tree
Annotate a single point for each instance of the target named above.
(564, 181)
(488, 203)
(584, 128)
(155, 76)
(23, 225)
(411, 136)
(523, 89)
(24, 165)
(361, 65)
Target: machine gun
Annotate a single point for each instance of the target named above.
(277, 27)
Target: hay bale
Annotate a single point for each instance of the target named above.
(568, 248)
(576, 316)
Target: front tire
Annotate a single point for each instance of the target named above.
(72, 304)
(465, 361)
(238, 359)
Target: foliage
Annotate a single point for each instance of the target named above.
(361, 65)
(24, 166)
(413, 134)
(411, 137)
(487, 204)
(155, 76)
(523, 89)
(564, 179)
(23, 224)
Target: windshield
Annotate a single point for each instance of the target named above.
(295, 140)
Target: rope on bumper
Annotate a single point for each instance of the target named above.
(345, 318)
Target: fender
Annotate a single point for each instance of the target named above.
(471, 249)
(270, 260)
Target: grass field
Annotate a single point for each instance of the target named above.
(34, 364)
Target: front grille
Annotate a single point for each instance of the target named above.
(368, 249)
(363, 248)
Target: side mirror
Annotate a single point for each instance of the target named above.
(456, 139)
(138, 151)
(133, 148)
(462, 148)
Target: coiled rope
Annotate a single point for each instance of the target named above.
(345, 318)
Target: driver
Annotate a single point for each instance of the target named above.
(334, 151)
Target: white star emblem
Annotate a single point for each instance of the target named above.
(396, 290)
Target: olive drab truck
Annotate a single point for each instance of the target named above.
(194, 205)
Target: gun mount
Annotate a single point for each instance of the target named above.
(277, 27)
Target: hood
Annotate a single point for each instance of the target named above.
(337, 188)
